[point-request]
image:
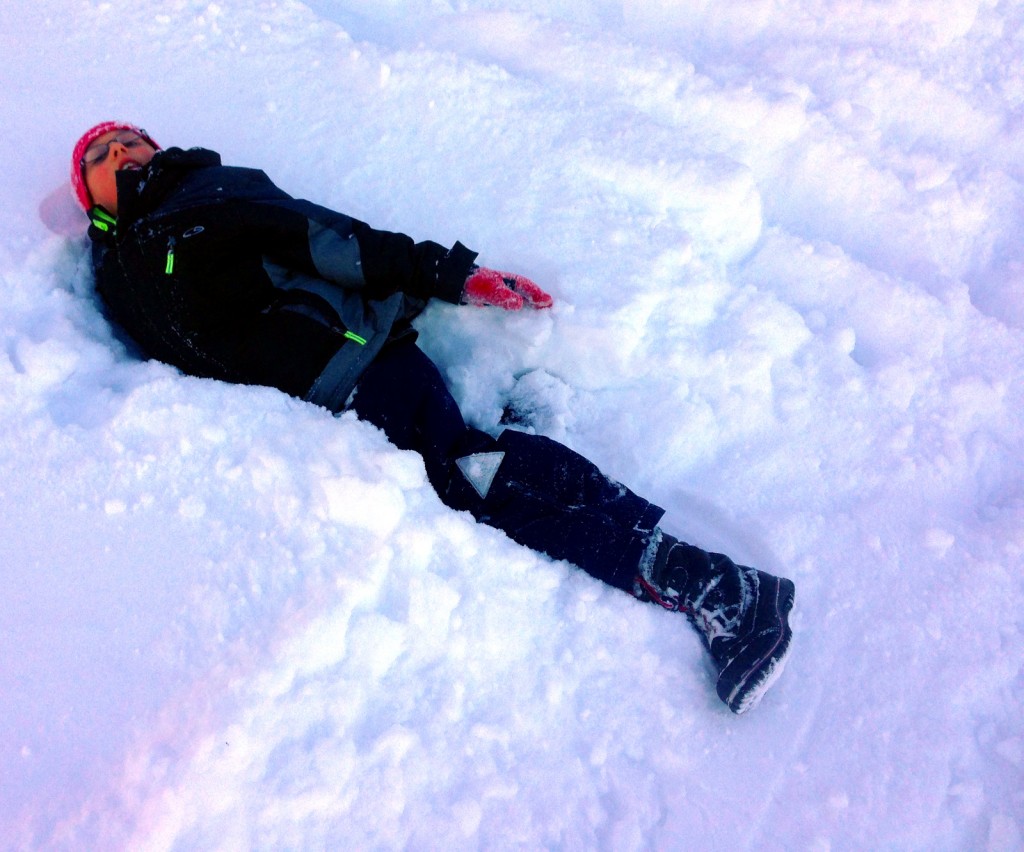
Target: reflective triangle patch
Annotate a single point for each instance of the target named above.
(480, 470)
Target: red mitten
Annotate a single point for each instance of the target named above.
(504, 290)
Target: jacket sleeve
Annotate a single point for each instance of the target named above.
(317, 241)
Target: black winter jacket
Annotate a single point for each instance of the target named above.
(215, 270)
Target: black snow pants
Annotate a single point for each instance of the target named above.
(540, 493)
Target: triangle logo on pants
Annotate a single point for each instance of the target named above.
(480, 470)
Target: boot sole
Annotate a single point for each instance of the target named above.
(755, 668)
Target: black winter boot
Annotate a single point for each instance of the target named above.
(739, 612)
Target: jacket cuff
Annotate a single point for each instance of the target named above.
(452, 271)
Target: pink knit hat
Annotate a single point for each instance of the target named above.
(90, 136)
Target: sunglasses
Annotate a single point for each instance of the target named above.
(98, 153)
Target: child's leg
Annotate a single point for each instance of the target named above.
(551, 499)
(554, 500)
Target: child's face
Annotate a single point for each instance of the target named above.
(126, 150)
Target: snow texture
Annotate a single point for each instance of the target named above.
(786, 243)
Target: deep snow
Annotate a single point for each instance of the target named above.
(785, 242)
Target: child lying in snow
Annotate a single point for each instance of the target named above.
(218, 272)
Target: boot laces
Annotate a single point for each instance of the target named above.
(715, 622)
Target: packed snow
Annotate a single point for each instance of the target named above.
(786, 243)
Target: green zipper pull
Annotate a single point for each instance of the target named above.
(351, 335)
(169, 266)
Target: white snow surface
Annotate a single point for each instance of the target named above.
(786, 243)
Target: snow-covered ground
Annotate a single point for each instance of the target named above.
(786, 242)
